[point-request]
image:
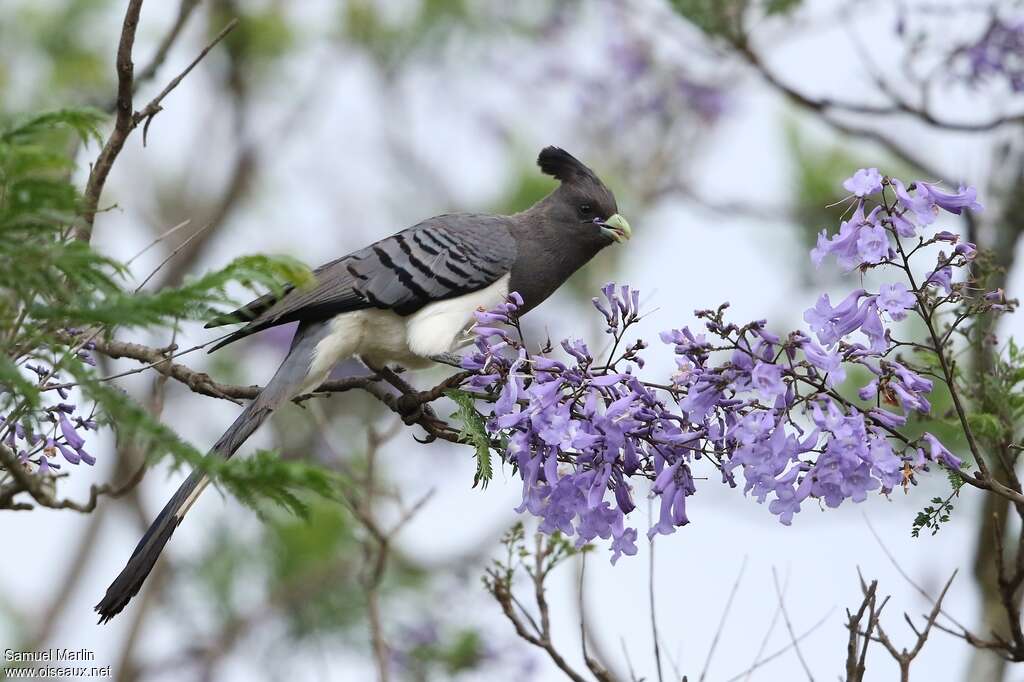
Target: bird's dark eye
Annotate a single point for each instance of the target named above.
(586, 210)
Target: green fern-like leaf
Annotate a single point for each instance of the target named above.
(473, 432)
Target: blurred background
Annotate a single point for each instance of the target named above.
(320, 126)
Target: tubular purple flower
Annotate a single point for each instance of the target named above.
(70, 455)
(624, 543)
(869, 391)
(766, 378)
(895, 300)
(873, 244)
(831, 324)
(941, 277)
(938, 452)
(965, 197)
(886, 418)
(72, 437)
(904, 228)
(967, 250)
(828, 361)
(921, 205)
(864, 182)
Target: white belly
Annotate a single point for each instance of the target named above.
(384, 337)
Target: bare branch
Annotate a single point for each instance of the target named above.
(721, 621)
(789, 626)
(122, 122)
(126, 119)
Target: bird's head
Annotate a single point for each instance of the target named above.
(581, 204)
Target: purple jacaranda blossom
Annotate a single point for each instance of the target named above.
(72, 437)
(766, 378)
(895, 300)
(869, 390)
(873, 244)
(69, 454)
(872, 328)
(964, 197)
(888, 419)
(830, 324)
(828, 361)
(921, 204)
(624, 543)
(903, 227)
(864, 182)
(938, 452)
(941, 277)
(751, 403)
(844, 245)
(788, 498)
(967, 250)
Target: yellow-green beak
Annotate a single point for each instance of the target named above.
(617, 228)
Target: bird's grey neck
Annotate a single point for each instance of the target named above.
(547, 255)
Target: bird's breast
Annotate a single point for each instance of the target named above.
(385, 337)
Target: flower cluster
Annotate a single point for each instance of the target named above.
(581, 431)
(38, 437)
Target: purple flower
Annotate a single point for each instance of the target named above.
(624, 543)
(938, 452)
(941, 277)
(967, 250)
(865, 181)
(831, 324)
(828, 361)
(921, 205)
(893, 421)
(965, 197)
(73, 439)
(767, 380)
(869, 391)
(895, 300)
(873, 244)
(844, 245)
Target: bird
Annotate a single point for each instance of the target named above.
(404, 300)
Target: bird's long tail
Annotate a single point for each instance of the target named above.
(287, 382)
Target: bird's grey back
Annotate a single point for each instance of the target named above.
(440, 258)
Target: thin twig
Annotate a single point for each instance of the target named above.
(650, 602)
(721, 621)
(789, 625)
(171, 256)
(122, 124)
(778, 652)
(154, 107)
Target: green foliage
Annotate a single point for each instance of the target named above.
(714, 17)
(775, 7)
(391, 38)
(267, 477)
(727, 18)
(452, 653)
(51, 283)
(934, 515)
(473, 432)
(192, 300)
(938, 512)
(263, 34)
(72, 64)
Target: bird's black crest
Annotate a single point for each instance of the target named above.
(560, 164)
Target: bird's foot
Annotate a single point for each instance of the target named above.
(452, 359)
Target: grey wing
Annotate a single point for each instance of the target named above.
(440, 258)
